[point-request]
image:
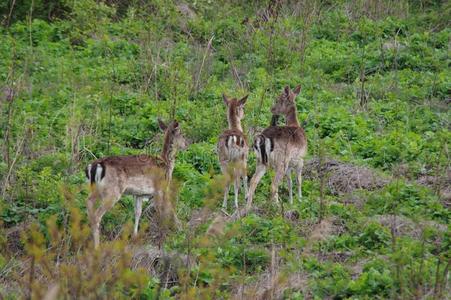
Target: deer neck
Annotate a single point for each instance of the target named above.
(292, 118)
(168, 155)
(234, 121)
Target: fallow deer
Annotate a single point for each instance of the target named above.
(274, 122)
(142, 176)
(233, 148)
(281, 148)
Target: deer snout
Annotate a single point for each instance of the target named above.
(184, 144)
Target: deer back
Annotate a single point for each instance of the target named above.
(132, 174)
(286, 142)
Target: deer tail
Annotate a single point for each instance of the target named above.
(263, 146)
(95, 172)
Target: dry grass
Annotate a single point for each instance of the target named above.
(272, 286)
(326, 228)
(160, 264)
(343, 178)
(441, 184)
(407, 227)
(321, 231)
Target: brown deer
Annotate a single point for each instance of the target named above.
(142, 176)
(233, 148)
(274, 121)
(281, 148)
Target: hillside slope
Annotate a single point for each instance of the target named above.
(93, 80)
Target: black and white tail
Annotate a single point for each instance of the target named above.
(95, 172)
(234, 145)
(234, 140)
(263, 146)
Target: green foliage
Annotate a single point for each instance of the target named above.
(407, 199)
(372, 282)
(89, 79)
(265, 231)
(251, 260)
(202, 156)
(13, 11)
(195, 184)
(374, 236)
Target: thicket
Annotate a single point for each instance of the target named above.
(85, 79)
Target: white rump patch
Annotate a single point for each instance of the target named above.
(99, 170)
(89, 172)
(231, 141)
(257, 148)
(267, 147)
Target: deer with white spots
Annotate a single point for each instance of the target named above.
(233, 148)
(281, 148)
(142, 176)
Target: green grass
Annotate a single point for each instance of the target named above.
(94, 81)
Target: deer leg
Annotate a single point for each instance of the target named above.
(226, 195)
(244, 177)
(96, 228)
(96, 235)
(289, 185)
(245, 186)
(275, 184)
(107, 203)
(138, 212)
(224, 171)
(259, 172)
(299, 178)
(236, 187)
(96, 225)
(90, 205)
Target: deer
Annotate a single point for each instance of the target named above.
(233, 148)
(142, 176)
(281, 148)
(274, 121)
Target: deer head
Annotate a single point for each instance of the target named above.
(285, 102)
(235, 110)
(173, 134)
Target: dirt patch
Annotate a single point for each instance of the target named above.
(272, 286)
(343, 178)
(14, 245)
(441, 184)
(357, 200)
(163, 265)
(322, 231)
(291, 215)
(406, 226)
(218, 225)
(356, 267)
(186, 11)
(199, 217)
(334, 256)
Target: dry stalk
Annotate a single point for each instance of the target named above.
(208, 48)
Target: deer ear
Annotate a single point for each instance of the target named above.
(287, 90)
(162, 125)
(297, 90)
(243, 100)
(176, 125)
(225, 99)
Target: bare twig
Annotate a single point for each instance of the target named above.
(199, 74)
(19, 150)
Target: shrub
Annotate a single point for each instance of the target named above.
(374, 237)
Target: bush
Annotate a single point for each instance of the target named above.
(374, 237)
(371, 283)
